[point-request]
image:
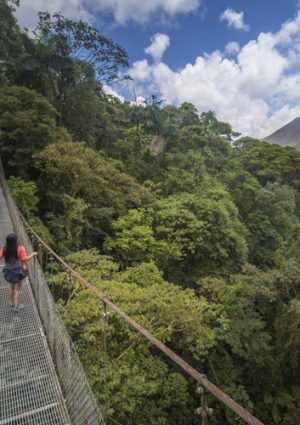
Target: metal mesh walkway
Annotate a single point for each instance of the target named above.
(30, 393)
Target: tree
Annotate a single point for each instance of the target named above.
(206, 229)
(81, 53)
(185, 173)
(187, 115)
(214, 127)
(27, 122)
(92, 184)
(202, 234)
(141, 383)
(133, 149)
(135, 241)
(83, 42)
(69, 228)
(214, 148)
(82, 112)
(25, 195)
(271, 223)
(267, 162)
(243, 360)
(284, 399)
(11, 40)
(242, 186)
(26, 199)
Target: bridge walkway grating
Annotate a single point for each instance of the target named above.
(30, 393)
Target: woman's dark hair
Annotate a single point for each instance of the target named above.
(11, 248)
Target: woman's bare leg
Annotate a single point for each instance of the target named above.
(18, 294)
(12, 294)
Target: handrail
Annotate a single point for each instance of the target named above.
(80, 401)
(199, 377)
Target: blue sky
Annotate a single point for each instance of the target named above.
(239, 58)
(201, 31)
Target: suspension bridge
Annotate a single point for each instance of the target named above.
(42, 381)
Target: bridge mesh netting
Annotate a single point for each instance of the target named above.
(41, 378)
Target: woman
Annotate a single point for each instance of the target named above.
(15, 269)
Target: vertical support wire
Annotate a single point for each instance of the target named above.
(204, 412)
(41, 255)
(70, 278)
(203, 404)
(46, 261)
(105, 317)
(51, 260)
(41, 262)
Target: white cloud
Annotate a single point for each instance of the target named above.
(141, 10)
(123, 11)
(141, 70)
(27, 13)
(232, 48)
(234, 19)
(140, 101)
(288, 29)
(111, 92)
(261, 66)
(159, 43)
(280, 118)
(256, 91)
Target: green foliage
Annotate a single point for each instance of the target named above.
(26, 199)
(81, 118)
(188, 234)
(78, 56)
(188, 115)
(217, 205)
(83, 42)
(72, 224)
(205, 226)
(172, 314)
(27, 122)
(185, 173)
(242, 186)
(10, 34)
(285, 396)
(86, 192)
(272, 223)
(133, 149)
(250, 305)
(25, 195)
(135, 241)
(144, 274)
(268, 162)
(13, 42)
(216, 128)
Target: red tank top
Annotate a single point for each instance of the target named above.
(21, 255)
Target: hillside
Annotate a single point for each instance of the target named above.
(288, 135)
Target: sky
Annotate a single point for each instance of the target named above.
(238, 58)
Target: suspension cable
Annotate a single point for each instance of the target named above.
(200, 378)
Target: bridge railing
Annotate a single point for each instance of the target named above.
(81, 404)
(63, 351)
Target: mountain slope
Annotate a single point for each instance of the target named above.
(288, 135)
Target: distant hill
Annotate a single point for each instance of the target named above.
(289, 135)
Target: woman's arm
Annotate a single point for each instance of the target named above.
(30, 257)
(22, 256)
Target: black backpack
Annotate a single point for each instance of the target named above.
(14, 272)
